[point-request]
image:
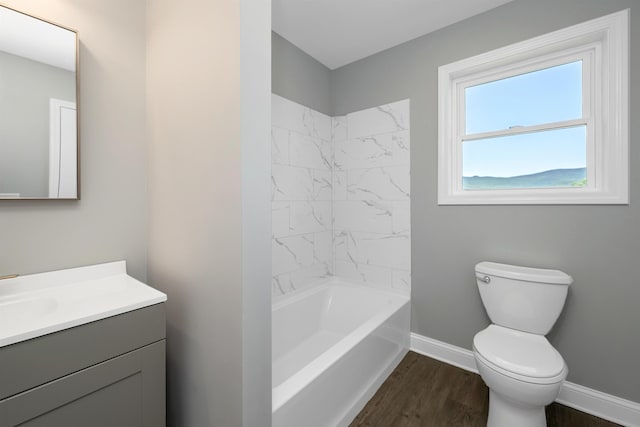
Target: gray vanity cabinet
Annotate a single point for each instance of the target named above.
(106, 373)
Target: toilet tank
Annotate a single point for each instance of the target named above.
(522, 298)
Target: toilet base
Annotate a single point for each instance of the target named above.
(506, 413)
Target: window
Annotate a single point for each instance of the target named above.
(544, 121)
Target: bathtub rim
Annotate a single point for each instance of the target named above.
(297, 382)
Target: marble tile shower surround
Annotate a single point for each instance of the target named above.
(341, 196)
(301, 175)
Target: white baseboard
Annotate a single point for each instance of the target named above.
(602, 405)
(447, 353)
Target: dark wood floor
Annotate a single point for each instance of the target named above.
(425, 392)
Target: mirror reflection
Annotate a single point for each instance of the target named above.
(38, 113)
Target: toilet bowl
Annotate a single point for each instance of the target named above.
(523, 371)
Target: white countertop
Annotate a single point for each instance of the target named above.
(39, 304)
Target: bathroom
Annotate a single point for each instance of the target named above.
(175, 124)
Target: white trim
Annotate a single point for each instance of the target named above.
(447, 353)
(597, 403)
(612, 408)
(604, 46)
(520, 130)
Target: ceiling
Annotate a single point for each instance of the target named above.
(338, 32)
(40, 41)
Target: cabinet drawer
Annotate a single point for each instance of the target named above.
(30, 363)
(126, 391)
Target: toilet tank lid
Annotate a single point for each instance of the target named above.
(538, 275)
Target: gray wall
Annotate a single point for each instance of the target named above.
(109, 223)
(598, 245)
(299, 77)
(209, 205)
(24, 133)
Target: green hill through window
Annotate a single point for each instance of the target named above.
(555, 178)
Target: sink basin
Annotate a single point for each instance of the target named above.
(39, 304)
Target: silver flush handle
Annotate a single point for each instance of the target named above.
(485, 279)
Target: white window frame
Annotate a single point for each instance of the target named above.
(603, 46)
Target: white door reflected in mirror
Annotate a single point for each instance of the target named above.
(63, 150)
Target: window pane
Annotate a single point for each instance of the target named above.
(546, 159)
(544, 96)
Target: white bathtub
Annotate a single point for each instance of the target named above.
(333, 346)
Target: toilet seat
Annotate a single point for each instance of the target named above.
(519, 355)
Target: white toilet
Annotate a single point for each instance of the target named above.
(522, 370)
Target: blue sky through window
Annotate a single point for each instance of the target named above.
(549, 95)
(526, 154)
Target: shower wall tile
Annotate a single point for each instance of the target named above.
(371, 219)
(289, 282)
(402, 217)
(297, 118)
(365, 215)
(401, 280)
(338, 128)
(302, 278)
(390, 149)
(323, 250)
(391, 251)
(340, 244)
(374, 121)
(310, 217)
(291, 253)
(295, 183)
(378, 277)
(390, 183)
(279, 146)
(280, 218)
(339, 185)
(309, 152)
(302, 162)
(383, 250)
(341, 196)
(280, 285)
(291, 183)
(374, 216)
(322, 185)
